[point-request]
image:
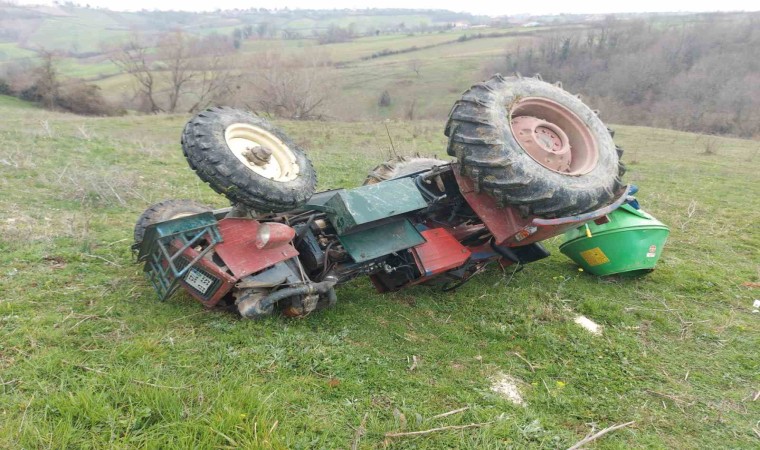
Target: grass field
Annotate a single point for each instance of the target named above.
(432, 70)
(89, 358)
(432, 78)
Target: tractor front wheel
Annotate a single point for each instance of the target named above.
(248, 160)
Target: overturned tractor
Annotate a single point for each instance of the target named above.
(532, 162)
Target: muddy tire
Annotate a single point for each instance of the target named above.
(166, 210)
(248, 160)
(399, 167)
(534, 145)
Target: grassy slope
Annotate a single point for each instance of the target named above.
(83, 31)
(88, 357)
(445, 71)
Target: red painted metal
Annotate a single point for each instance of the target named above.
(602, 220)
(509, 228)
(207, 265)
(441, 252)
(239, 249)
(544, 142)
(554, 136)
(272, 235)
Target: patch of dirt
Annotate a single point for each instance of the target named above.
(506, 386)
(589, 325)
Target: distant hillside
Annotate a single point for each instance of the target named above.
(699, 74)
(695, 72)
(79, 31)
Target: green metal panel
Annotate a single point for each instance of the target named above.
(166, 265)
(174, 227)
(351, 210)
(381, 240)
(630, 243)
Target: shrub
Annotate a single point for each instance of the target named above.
(85, 99)
(5, 88)
(385, 99)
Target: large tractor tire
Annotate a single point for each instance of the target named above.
(166, 210)
(534, 145)
(399, 167)
(248, 160)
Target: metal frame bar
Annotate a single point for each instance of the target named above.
(163, 272)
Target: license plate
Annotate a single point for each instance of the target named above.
(198, 280)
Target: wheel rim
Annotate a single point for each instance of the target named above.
(262, 152)
(554, 136)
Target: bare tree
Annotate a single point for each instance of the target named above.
(294, 87)
(183, 69)
(415, 65)
(216, 79)
(133, 58)
(411, 110)
(47, 84)
(175, 52)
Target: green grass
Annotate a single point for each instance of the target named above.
(444, 73)
(84, 31)
(89, 358)
(446, 69)
(15, 104)
(10, 51)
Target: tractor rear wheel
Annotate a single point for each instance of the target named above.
(401, 166)
(248, 160)
(166, 210)
(534, 145)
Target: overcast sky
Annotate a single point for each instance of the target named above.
(488, 7)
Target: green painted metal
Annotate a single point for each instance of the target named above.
(381, 240)
(165, 265)
(171, 228)
(363, 207)
(629, 244)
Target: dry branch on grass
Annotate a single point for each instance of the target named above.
(595, 436)
(162, 386)
(530, 366)
(450, 413)
(433, 430)
(103, 259)
(359, 432)
(415, 362)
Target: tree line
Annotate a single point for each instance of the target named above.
(700, 76)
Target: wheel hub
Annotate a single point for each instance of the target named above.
(258, 155)
(262, 152)
(544, 142)
(554, 136)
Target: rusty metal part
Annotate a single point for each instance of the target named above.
(249, 302)
(258, 155)
(322, 288)
(302, 306)
(510, 228)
